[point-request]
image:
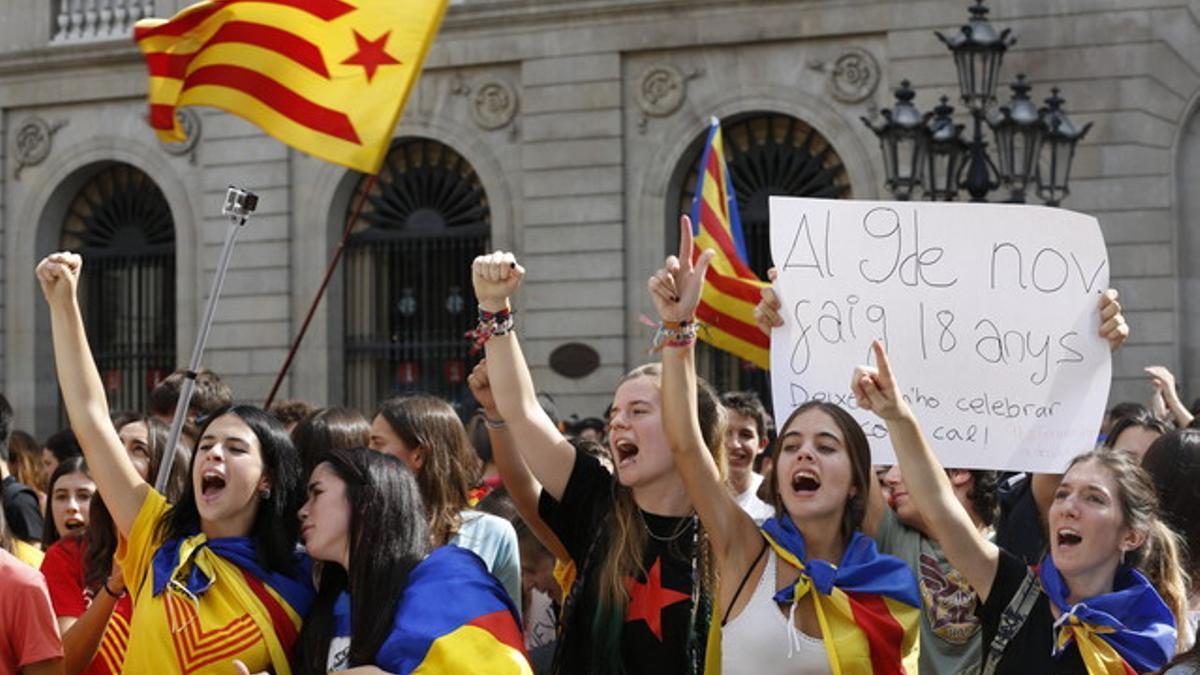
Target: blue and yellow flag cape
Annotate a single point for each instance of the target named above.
(1130, 630)
(453, 617)
(868, 605)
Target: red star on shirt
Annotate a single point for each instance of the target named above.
(647, 600)
(371, 54)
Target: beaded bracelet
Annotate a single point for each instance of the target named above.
(674, 334)
(490, 324)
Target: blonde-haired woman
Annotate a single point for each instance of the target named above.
(642, 600)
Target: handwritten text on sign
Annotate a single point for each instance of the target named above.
(989, 314)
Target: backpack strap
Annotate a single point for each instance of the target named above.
(1011, 620)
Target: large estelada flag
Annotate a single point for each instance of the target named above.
(731, 290)
(327, 77)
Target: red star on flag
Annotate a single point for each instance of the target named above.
(371, 54)
(647, 600)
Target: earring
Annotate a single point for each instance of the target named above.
(265, 494)
(1123, 552)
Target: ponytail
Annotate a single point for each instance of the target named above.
(1160, 559)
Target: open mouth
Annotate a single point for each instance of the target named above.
(626, 451)
(805, 482)
(211, 483)
(74, 525)
(1067, 538)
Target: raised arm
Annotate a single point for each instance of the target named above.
(520, 482)
(120, 485)
(675, 291)
(950, 525)
(1114, 330)
(1164, 388)
(768, 316)
(547, 453)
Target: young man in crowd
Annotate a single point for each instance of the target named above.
(745, 438)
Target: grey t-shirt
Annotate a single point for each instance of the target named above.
(950, 640)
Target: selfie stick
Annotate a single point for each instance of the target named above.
(239, 204)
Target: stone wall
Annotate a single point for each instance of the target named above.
(581, 175)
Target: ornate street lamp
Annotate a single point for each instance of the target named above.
(902, 138)
(978, 50)
(1018, 128)
(945, 154)
(929, 150)
(1057, 150)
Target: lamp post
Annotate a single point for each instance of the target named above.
(1033, 146)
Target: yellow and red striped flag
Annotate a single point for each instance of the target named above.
(327, 77)
(731, 290)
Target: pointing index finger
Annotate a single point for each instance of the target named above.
(881, 361)
(685, 239)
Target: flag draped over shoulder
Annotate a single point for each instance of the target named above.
(1128, 630)
(327, 77)
(731, 290)
(454, 617)
(867, 604)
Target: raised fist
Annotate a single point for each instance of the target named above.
(58, 274)
(496, 277)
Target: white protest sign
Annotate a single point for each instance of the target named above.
(989, 314)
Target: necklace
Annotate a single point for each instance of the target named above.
(682, 527)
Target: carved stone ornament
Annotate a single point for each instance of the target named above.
(493, 104)
(189, 121)
(32, 142)
(661, 90)
(853, 75)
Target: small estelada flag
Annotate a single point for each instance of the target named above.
(327, 77)
(732, 289)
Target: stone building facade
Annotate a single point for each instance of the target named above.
(579, 120)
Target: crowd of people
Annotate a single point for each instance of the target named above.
(682, 532)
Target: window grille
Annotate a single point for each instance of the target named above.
(767, 154)
(408, 295)
(121, 224)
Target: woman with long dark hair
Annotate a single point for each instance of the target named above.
(426, 435)
(223, 558)
(1086, 608)
(384, 599)
(86, 588)
(1173, 462)
(642, 601)
(69, 501)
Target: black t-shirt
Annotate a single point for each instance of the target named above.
(1019, 529)
(1029, 651)
(654, 633)
(21, 510)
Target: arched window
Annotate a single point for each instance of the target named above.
(121, 224)
(768, 154)
(407, 276)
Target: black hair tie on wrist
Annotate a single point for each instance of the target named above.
(117, 596)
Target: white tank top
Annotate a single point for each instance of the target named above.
(762, 640)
